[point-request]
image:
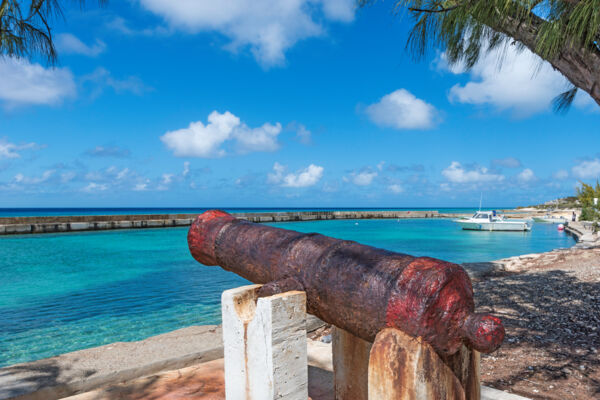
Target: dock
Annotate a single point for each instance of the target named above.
(57, 224)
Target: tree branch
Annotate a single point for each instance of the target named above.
(581, 66)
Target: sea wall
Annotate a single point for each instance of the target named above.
(55, 224)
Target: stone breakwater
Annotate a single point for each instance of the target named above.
(55, 224)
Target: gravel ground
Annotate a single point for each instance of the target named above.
(550, 306)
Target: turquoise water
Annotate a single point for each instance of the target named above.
(64, 292)
(32, 212)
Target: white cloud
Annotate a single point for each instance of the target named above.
(508, 162)
(456, 173)
(263, 138)
(140, 187)
(167, 179)
(10, 150)
(519, 83)
(70, 44)
(122, 174)
(587, 169)
(108, 151)
(268, 27)
(200, 140)
(95, 187)
(68, 176)
(526, 175)
(110, 174)
(119, 24)
(276, 176)
(302, 178)
(25, 180)
(395, 188)
(101, 78)
(186, 169)
(302, 134)
(363, 178)
(24, 83)
(306, 177)
(560, 174)
(402, 110)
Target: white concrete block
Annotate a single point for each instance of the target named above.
(79, 226)
(265, 345)
(18, 228)
(63, 227)
(154, 223)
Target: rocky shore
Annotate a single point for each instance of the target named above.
(550, 306)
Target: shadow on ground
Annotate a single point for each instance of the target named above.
(552, 322)
(47, 378)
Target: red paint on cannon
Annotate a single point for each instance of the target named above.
(358, 288)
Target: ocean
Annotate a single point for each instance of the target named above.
(65, 292)
(32, 212)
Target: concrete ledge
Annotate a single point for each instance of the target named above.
(85, 370)
(79, 226)
(22, 225)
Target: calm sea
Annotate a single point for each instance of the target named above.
(64, 292)
(28, 212)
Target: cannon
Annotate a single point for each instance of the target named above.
(358, 288)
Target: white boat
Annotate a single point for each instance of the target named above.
(552, 219)
(490, 221)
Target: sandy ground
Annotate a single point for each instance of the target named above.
(550, 306)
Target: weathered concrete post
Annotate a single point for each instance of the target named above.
(265, 345)
(350, 365)
(404, 367)
(399, 366)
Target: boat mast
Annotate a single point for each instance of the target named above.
(480, 198)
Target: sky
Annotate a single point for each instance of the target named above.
(280, 103)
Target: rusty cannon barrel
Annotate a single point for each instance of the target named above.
(358, 288)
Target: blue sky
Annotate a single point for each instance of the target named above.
(286, 103)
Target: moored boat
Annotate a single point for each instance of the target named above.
(490, 221)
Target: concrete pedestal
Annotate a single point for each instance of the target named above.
(350, 365)
(265, 345)
(398, 366)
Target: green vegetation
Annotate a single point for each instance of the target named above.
(586, 194)
(566, 33)
(25, 27)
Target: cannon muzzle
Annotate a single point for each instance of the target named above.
(359, 288)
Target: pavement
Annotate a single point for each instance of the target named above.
(85, 370)
(206, 382)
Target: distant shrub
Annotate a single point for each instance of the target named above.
(585, 195)
(588, 214)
